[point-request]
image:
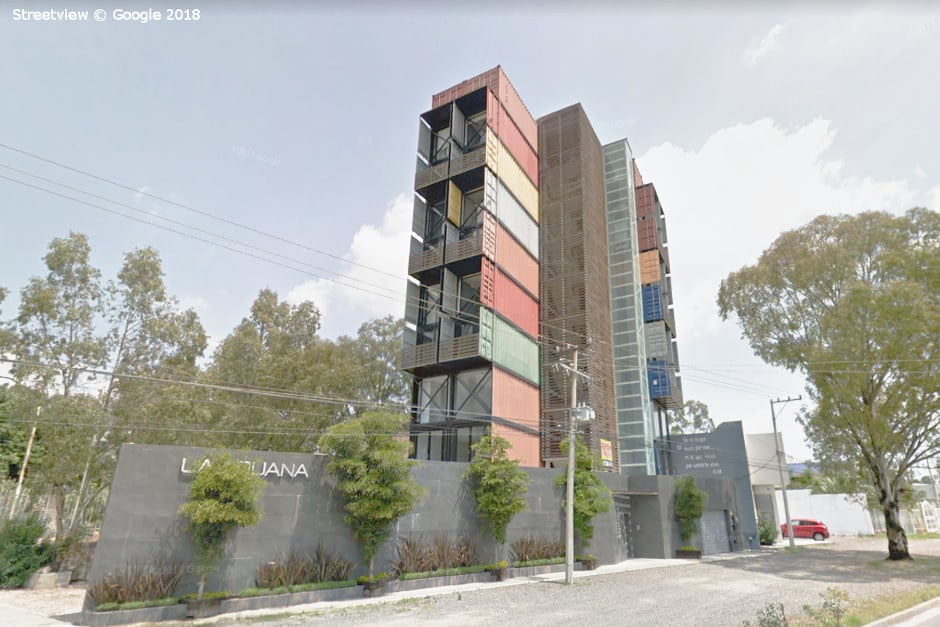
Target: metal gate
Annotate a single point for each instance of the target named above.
(715, 533)
(624, 523)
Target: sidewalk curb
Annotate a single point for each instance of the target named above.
(900, 618)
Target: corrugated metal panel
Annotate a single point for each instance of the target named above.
(647, 234)
(652, 303)
(516, 262)
(515, 399)
(507, 131)
(507, 347)
(515, 179)
(512, 216)
(511, 302)
(490, 79)
(453, 203)
(490, 238)
(645, 195)
(487, 283)
(659, 379)
(649, 267)
(658, 340)
(525, 446)
(637, 177)
(517, 110)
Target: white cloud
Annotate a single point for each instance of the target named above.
(725, 202)
(760, 49)
(919, 172)
(375, 285)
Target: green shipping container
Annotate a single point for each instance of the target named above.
(502, 344)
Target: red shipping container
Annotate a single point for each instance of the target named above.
(515, 400)
(511, 301)
(645, 205)
(525, 446)
(497, 81)
(517, 110)
(516, 261)
(505, 128)
(647, 234)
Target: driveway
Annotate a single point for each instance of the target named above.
(716, 591)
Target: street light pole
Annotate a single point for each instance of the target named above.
(783, 481)
(569, 493)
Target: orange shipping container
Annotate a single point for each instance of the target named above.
(516, 261)
(649, 267)
(525, 446)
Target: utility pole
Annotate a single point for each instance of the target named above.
(569, 484)
(783, 481)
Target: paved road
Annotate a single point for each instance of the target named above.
(713, 592)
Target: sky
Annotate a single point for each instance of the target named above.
(273, 146)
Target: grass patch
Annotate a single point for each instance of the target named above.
(303, 587)
(222, 594)
(542, 562)
(136, 605)
(924, 536)
(445, 572)
(868, 610)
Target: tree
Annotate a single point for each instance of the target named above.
(369, 460)
(591, 496)
(691, 418)
(688, 505)
(379, 352)
(222, 498)
(499, 485)
(55, 334)
(852, 303)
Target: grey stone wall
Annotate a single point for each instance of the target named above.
(142, 524)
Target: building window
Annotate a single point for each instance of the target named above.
(434, 225)
(475, 131)
(440, 146)
(429, 315)
(433, 400)
(468, 316)
(471, 212)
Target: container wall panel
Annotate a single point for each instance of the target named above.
(508, 347)
(645, 205)
(518, 111)
(512, 176)
(652, 303)
(511, 302)
(649, 267)
(516, 220)
(525, 446)
(515, 399)
(659, 379)
(487, 283)
(647, 234)
(490, 79)
(506, 130)
(516, 261)
(658, 340)
(453, 203)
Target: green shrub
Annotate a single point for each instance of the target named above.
(771, 615)
(541, 562)
(832, 610)
(21, 552)
(689, 504)
(766, 530)
(293, 569)
(137, 582)
(536, 548)
(414, 555)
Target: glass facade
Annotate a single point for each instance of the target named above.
(635, 421)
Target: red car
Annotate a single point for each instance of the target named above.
(807, 528)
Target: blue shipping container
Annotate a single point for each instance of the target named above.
(652, 303)
(657, 371)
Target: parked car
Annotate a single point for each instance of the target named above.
(807, 528)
